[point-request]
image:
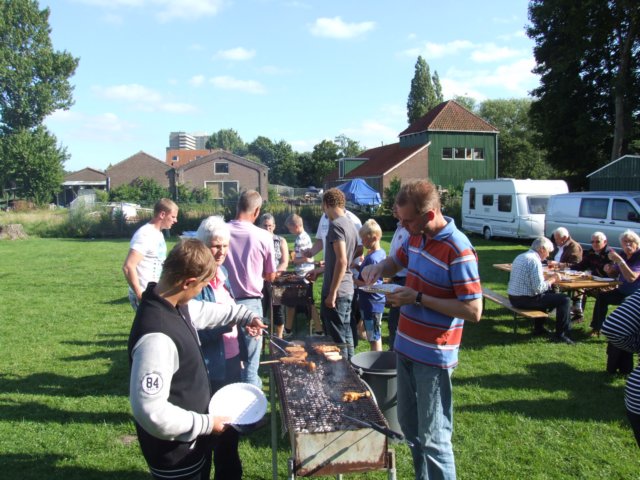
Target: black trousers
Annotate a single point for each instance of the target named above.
(547, 301)
(619, 360)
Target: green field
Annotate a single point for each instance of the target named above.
(524, 407)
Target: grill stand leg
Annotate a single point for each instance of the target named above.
(292, 473)
(391, 462)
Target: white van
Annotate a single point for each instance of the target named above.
(583, 213)
(506, 207)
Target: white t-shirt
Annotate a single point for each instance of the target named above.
(323, 226)
(149, 242)
(303, 242)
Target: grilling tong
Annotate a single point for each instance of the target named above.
(383, 430)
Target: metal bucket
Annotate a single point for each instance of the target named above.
(378, 370)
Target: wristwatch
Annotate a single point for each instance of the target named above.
(419, 299)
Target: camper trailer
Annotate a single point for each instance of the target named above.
(506, 207)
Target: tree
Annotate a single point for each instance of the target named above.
(227, 139)
(324, 158)
(34, 79)
(34, 82)
(519, 156)
(589, 94)
(437, 87)
(390, 194)
(467, 102)
(422, 96)
(348, 147)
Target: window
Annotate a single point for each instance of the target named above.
(462, 153)
(221, 167)
(504, 203)
(622, 210)
(487, 200)
(472, 198)
(219, 190)
(594, 207)
(459, 153)
(537, 205)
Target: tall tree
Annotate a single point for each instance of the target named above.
(324, 158)
(422, 96)
(587, 58)
(437, 87)
(518, 153)
(34, 82)
(347, 147)
(229, 140)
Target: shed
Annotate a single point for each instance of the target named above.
(622, 174)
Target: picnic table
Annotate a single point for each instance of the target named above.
(571, 279)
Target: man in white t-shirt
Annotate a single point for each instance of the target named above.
(147, 250)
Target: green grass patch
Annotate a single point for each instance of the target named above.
(524, 407)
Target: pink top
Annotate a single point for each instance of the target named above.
(222, 295)
(251, 254)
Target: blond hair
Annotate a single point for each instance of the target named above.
(370, 228)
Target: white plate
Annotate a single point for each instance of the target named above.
(243, 403)
(603, 279)
(382, 288)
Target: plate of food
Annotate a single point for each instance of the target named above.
(380, 288)
(243, 403)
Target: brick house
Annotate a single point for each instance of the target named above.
(449, 144)
(140, 165)
(180, 157)
(224, 173)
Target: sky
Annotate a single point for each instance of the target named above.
(301, 71)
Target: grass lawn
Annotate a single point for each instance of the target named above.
(524, 407)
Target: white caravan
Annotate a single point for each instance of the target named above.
(506, 207)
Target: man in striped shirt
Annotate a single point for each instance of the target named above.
(442, 290)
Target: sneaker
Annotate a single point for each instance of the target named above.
(577, 318)
(576, 310)
(287, 334)
(318, 334)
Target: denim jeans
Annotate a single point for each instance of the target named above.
(337, 323)
(425, 414)
(254, 345)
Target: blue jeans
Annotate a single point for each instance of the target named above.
(425, 414)
(254, 345)
(337, 323)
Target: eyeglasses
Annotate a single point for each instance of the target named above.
(596, 241)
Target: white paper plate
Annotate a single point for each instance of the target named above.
(603, 279)
(243, 403)
(382, 288)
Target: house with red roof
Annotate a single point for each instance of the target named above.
(449, 145)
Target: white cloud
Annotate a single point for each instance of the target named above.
(197, 80)
(489, 52)
(165, 10)
(130, 93)
(510, 79)
(238, 53)
(372, 133)
(273, 70)
(142, 98)
(432, 50)
(337, 28)
(229, 83)
(105, 127)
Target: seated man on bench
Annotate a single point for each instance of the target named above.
(529, 287)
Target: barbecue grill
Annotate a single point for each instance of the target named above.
(324, 441)
(290, 290)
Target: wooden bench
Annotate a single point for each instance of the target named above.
(488, 294)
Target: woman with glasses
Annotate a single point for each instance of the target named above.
(626, 268)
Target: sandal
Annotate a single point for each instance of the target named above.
(594, 333)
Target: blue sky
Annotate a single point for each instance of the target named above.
(293, 70)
